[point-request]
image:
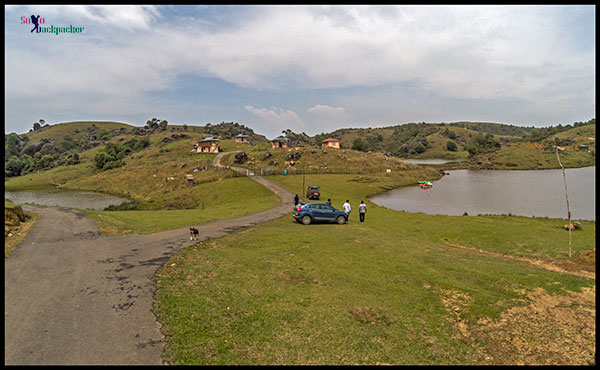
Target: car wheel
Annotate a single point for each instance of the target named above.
(340, 220)
(306, 220)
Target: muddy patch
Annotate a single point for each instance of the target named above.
(551, 330)
(367, 315)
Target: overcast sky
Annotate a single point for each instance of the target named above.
(311, 69)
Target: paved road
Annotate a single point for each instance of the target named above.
(73, 296)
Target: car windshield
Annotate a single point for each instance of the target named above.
(313, 188)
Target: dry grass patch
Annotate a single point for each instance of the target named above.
(551, 330)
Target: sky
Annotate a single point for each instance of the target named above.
(310, 69)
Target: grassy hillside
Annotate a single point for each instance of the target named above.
(77, 130)
(156, 203)
(532, 156)
(315, 160)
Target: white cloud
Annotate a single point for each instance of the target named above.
(275, 115)
(328, 113)
(457, 52)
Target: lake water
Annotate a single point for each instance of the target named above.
(539, 193)
(64, 198)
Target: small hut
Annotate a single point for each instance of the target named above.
(189, 180)
(208, 145)
(279, 142)
(330, 143)
(241, 138)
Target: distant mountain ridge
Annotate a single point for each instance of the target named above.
(49, 146)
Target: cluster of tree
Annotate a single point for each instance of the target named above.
(494, 128)
(21, 158)
(228, 130)
(39, 125)
(156, 124)
(543, 133)
(112, 155)
(482, 143)
(408, 139)
(299, 139)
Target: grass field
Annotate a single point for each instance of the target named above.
(394, 289)
(220, 200)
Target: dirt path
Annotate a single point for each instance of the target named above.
(546, 265)
(73, 296)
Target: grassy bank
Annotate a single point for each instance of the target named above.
(527, 156)
(224, 199)
(18, 233)
(395, 289)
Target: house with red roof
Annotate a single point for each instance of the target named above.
(330, 143)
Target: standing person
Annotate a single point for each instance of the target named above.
(347, 208)
(329, 202)
(362, 209)
(296, 200)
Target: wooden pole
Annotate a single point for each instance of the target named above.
(567, 195)
(303, 171)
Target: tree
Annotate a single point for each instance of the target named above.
(11, 146)
(451, 146)
(36, 126)
(359, 144)
(163, 125)
(473, 149)
(13, 167)
(419, 149)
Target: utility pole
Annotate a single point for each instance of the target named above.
(303, 171)
(567, 195)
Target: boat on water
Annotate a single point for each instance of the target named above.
(425, 184)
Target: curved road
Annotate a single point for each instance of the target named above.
(73, 296)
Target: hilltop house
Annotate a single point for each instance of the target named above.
(208, 145)
(241, 138)
(330, 143)
(279, 142)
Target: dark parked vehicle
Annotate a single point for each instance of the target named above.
(319, 212)
(313, 192)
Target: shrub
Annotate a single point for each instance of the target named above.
(451, 146)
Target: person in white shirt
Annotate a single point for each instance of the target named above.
(347, 208)
(362, 209)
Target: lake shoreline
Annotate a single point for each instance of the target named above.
(469, 195)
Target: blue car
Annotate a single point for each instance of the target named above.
(319, 212)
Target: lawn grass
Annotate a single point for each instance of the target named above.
(360, 293)
(229, 198)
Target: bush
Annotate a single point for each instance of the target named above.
(419, 149)
(113, 153)
(451, 146)
(127, 206)
(359, 144)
